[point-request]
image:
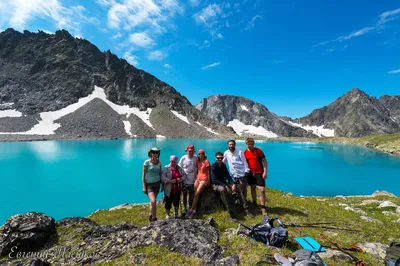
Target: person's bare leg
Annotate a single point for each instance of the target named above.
(153, 204)
(261, 189)
(198, 190)
(244, 190)
(253, 193)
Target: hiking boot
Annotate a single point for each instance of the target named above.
(150, 217)
(249, 214)
(153, 219)
(233, 218)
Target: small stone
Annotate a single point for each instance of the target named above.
(228, 261)
(375, 249)
(369, 219)
(331, 253)
(367, 202)
(390, 213)
(355, 210)
(387, 203)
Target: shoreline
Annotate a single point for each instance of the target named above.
(394, 150)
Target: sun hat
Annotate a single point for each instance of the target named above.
(190, 147)
(173, 158)
(153, 149)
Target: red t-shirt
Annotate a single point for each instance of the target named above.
(254, 160)
(175, 175)
(204, 170)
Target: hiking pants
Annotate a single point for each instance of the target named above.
(224, 195)
(239, 192)
(174, 198)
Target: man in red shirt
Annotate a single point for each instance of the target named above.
(258, 172)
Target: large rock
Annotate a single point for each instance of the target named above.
(196, 238)
(383, 193)
(25, 232)
(375, 249)
(209, 201)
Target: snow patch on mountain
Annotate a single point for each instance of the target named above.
(241, 129)
(208, 129)
(181, 117)
(244, 108)
(10, 113)
(320, 131)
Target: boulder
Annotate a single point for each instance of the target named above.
(26, 232)
(369, 219)
(209, 201)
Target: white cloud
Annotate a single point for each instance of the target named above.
(394, 71)
(252, 22)
(131, 14)
(380, 24)
(19, 13)
(206, 44)
(194, 3)
(157, 55)
(116, 36)
(167, 66)
(132, 59)
(141, 39)
(388, 15)
(210, 17)
(211, 66)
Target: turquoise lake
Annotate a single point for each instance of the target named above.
(75, 178)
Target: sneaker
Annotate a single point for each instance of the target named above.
(192, 214)
(167, 217)
(249, 214)
(150, 217)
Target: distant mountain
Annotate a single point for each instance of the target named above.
(392, 103)
(57, 85)
(355, 114)
(248, 117)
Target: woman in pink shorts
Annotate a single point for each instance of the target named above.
(202, 180)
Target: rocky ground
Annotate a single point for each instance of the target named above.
(123, 235)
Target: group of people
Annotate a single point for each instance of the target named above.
(194, 173)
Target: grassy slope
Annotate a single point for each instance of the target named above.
(290, 209)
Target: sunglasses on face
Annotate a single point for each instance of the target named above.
(220, 158)
(155, 152)
(201, 153)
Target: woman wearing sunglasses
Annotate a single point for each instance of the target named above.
(202, 181)
(151, 179)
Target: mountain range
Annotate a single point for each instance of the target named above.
(55, 86)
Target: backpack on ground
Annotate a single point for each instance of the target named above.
(306, 257)
(266, 233)
(393, 254)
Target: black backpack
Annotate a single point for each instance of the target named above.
(266, 233)
(393, 254)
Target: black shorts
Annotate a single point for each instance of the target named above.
(153, 187)
(188, 188)
(256, 179)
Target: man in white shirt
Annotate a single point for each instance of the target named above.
(239, 170)
(189, 164)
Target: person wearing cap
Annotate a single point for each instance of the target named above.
(221, 181)
(172, 178)
(239, 171)
(258, 172)
(189, 164)
(202, 180)
(151, 179)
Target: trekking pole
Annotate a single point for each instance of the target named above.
(320, 225)
(357, 262)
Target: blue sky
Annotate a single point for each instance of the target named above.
(292, 56)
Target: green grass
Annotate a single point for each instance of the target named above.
(291, 210)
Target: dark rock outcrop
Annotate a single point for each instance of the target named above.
(355, 114)
(42, 72)
(82, 241)
(25, 232)
(226, 108)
